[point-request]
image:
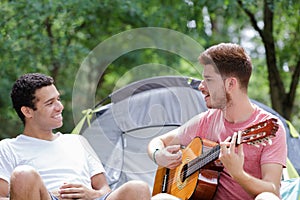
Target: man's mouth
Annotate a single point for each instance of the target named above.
(58, 117)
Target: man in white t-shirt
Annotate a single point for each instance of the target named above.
(42, 165)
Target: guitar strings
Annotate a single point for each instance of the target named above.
(197, 163)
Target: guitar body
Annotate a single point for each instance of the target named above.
(200, 185)
(206, 185)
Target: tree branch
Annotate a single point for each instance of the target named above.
(294, 83)
(55, 62)
(251, 16)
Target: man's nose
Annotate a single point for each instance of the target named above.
(201, 86)
(59, 105)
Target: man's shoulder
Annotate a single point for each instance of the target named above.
(7, 141)
(7, 146)
(265, 113)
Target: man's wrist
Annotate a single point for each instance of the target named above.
(154, 155)
(241, 176)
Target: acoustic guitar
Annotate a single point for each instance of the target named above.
(197, 176)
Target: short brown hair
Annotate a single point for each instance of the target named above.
(229, 60)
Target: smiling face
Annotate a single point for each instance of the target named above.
(213, 89)
(48, 113)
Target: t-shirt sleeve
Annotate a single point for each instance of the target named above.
(94, 162)
(188, 131)
(6, 166)
(277, 151)
(204, 125)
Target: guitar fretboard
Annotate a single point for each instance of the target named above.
(202, 160)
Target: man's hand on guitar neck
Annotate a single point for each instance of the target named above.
(232, 156)
(169, 157)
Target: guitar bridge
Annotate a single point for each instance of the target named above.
(164, 186)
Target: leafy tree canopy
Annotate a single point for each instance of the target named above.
(54, 37)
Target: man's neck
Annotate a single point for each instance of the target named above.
(239, 111)
(39, 134)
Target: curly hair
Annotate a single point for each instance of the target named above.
(23, 91)
(229, 60)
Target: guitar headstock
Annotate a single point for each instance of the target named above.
(260, 133)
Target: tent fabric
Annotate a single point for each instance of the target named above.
(291, 170)
(290, 189)
(120, 131)
(151, 84)
(293, 131)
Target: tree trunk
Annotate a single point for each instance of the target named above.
(282, 101)
(277, 92)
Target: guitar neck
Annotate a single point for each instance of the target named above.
(202, 160)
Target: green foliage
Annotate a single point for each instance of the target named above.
(54, 37)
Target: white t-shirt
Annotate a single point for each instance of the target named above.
(68, 158)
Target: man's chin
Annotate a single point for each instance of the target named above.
(58, 125)
(208, 105)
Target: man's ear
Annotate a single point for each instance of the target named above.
(27, 112)
(230, 83)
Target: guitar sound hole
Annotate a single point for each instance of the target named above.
(183, 173)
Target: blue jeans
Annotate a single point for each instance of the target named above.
(53, 197)
(100, 198)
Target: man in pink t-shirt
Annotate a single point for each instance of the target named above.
(249, 171)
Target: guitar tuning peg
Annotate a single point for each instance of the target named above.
(269, 141)
(256, 145)
(239, 137)
(253, 143)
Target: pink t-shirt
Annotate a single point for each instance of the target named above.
(212, 125)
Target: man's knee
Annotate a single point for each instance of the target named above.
(138, 185)
(23, 174)
(267, 196)
(26, 183)
(133, 190)
(164, 196)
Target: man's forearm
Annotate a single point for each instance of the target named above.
(255, 186)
